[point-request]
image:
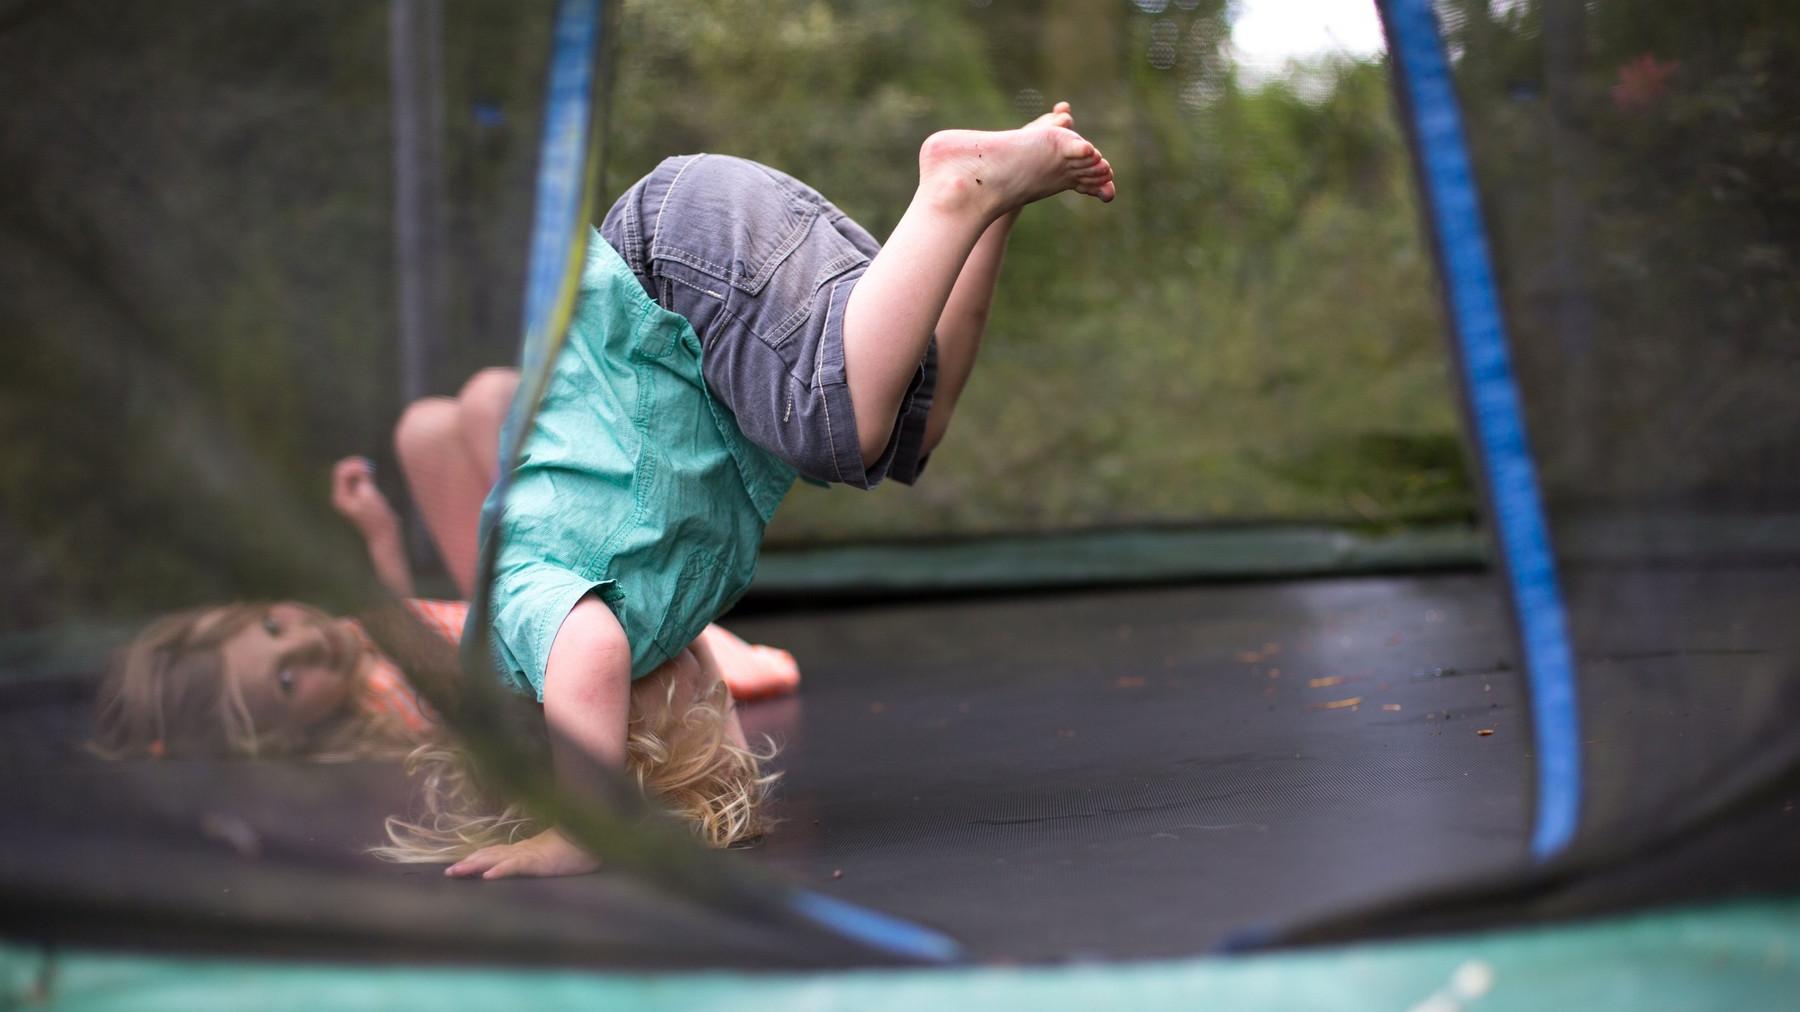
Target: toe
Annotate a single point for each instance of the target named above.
(1101, 187)
(779, 662)
(1059, 116)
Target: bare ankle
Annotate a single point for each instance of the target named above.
(947, 182)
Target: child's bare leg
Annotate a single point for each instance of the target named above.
(484, 400)
(444, 481)
(750, 670)
(968, 180)
(965, 316)
(960, 327)
(713, 669)
(449, 454)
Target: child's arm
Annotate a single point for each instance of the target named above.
(587, 701)
(355, 496)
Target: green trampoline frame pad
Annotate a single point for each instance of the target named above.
(1742, 955)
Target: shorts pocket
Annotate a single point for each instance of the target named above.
(731, 220)
(799, 288)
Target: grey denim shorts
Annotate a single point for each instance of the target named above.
(762, 266)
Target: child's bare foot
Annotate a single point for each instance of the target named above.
(998, 171)
(751, 671)
(1060, 115)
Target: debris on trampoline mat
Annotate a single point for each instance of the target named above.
(1323, 524)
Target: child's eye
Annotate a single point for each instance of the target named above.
(284, 677)
(270, 626)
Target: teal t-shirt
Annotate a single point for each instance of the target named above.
(633, 483)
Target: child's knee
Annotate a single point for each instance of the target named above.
(489, 391)
(425, 428)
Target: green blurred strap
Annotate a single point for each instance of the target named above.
(501, 730)
(1743, 956)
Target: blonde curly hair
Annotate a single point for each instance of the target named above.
(166, 693)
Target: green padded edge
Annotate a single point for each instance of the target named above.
(1742, 955)
(1142, 555)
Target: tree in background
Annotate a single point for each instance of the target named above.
(202, 216)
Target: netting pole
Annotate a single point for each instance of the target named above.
(1429, 108)
(415, 76)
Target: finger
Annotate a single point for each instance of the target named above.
(352, 466)
(347, 478)
(475, 863)
(505, 869)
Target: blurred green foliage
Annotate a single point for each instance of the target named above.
(198, 239)
(1640, 160)
(1211, 346)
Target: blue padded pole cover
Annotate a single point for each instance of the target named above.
(1434, 119)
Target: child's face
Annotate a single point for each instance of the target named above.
(295, 667)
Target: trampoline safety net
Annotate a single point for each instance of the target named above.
(1221, 666)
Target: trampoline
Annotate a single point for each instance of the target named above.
(1119, 746)
(988, 776)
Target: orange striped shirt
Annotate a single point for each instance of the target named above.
(385, 691)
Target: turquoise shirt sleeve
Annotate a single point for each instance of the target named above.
(537, 597)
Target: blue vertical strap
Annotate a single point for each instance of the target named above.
(558, 229)
(567, 171)
(564, 200)
(878, 931)
(1429, 100)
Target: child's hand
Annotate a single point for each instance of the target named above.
(545, 855)
(355, 496)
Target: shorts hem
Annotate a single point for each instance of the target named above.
(900, 459)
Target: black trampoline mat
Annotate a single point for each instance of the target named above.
(1126, 774)
(1140, 773)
